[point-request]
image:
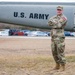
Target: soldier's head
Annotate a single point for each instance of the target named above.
(59, 10)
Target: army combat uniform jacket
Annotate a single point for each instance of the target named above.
(57, 24)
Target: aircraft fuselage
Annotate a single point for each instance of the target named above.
(35, 14)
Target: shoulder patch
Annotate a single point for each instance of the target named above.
(64, 18)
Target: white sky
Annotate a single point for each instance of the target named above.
(37, 1)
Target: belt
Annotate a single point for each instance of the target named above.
(57, 28)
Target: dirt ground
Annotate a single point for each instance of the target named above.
(24, 56)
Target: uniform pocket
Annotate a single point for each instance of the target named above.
(61, 47)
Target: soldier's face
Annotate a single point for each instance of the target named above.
(59, 12)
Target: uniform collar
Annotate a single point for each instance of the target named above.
(59, 15)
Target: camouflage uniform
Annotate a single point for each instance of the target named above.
(57, 37)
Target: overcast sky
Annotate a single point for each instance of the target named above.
(38, 0)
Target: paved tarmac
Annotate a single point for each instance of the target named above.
(28, 37)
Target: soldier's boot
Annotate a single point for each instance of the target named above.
(63, 67)
(57, 67)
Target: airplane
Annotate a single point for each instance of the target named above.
(36, 14)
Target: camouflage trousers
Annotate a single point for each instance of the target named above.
(58, 48)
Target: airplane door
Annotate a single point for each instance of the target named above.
(74, 15)
(74, 20)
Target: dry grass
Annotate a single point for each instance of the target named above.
(24, 57)
(38, 65)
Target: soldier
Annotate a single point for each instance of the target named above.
(57, 23)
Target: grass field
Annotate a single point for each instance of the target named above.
(33, 57)
(38, 65)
